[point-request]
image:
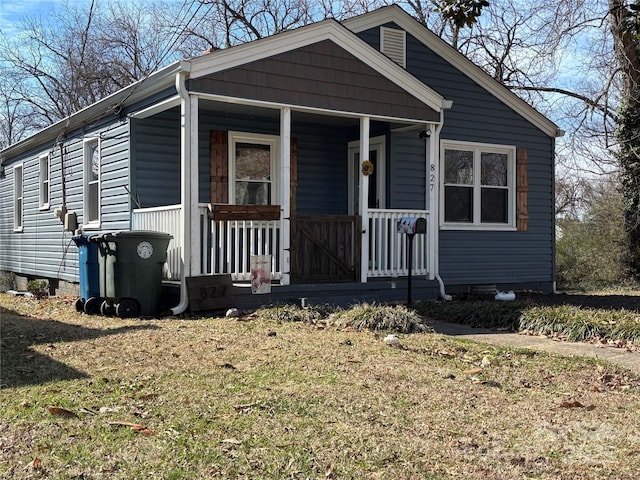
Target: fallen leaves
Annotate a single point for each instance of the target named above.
(61, 412)
(136, 427)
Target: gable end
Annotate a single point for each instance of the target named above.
(322, 75)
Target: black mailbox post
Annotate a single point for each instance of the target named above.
(411, 226)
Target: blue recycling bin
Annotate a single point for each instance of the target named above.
(89, 273)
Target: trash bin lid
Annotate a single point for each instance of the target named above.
(141, 234)
(81, 240)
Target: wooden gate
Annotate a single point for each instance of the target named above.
(325, 248)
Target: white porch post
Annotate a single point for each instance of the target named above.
(433, 154)
(194, 220)
(363, 200)
(285, 193)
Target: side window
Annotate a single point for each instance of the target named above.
(478, 185)
(253, 170)
(92, 183)
(18, 198)
(44, 181)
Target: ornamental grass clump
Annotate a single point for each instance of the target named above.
(579, 324)
(489, 314)
(379, 317)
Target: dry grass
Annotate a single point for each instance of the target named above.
(256, 398)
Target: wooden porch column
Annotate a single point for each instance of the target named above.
(285, 193)
(194, 220)
(363, 200)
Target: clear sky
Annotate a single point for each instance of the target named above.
(12, 11)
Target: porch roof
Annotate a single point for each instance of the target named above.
(322, 76)
(323, 66)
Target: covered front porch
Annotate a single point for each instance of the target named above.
(307, 158)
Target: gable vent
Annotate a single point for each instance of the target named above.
(393, 44)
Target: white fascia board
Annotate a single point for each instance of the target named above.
(157, 108)
(397, 15)
(302, 108)
(326, 30)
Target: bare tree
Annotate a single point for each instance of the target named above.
(60, 67)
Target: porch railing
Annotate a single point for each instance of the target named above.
(388, 248)
(167, 220)
(226, 246)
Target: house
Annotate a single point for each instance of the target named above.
(255, 151)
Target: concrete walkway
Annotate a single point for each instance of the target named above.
(617, 356)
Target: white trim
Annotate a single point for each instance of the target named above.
(87, 144)
(395, 14)
(325, 30)
(18, 227)
(363, 207)
(194, 215)
(379, 144)
(42, 204)
(273, 141)
(432, 195)
(301, 108)
(285, 193)
(157, 108)
(478, 148)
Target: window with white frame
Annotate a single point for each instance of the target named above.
(478, 185)
(18, 197)
(253, 169)
(44, 182)
(91, 183)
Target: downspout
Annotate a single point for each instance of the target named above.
(435, 155)
(185, 188)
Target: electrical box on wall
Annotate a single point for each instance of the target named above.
(70, 222)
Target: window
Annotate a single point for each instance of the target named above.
(18, 198)
(92, 183)
(252, 168)
(478, 185)
(44, 182)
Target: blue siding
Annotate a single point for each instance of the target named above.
(322, 158)
(43, 249)
(477, 257)
(155, 152)
(407, 171)
(322, 169)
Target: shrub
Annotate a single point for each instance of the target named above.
(379, 317)
(292, 313)
(38, 288)
(476, 313)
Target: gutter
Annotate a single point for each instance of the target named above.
(185, 188)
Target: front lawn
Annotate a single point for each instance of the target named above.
(264, 397)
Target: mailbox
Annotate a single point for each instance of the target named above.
(412, 225)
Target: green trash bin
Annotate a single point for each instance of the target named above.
(131, 265)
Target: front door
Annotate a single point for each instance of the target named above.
(377, 180)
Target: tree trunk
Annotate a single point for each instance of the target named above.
(625, 28)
